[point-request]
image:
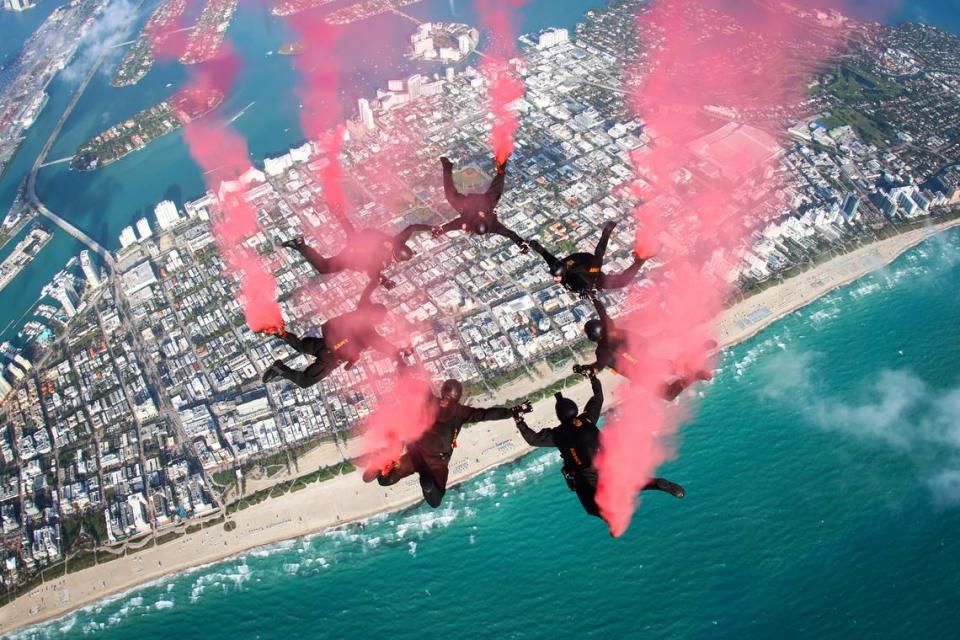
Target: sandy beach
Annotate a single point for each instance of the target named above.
(347, 499)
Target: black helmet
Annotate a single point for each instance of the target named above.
(452, 389)
(566, 409)
(402, 253)
(559, 270)
(481, 228)
(595, 330)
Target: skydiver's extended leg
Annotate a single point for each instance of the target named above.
(587, 492)
(308, 346)
(310, 376)
(495, 190)
(433, 481)
(454, 197)
(511, 235)
(662, 484)
(604, 239)
(403, 468)
(621, 280)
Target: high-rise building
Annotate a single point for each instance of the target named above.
(67, 298)
(464, 43)
(18, 5)
(90, 270)
(414, 83)
(22, 362)
(366, 115)
(167, 215)
(127, 237)
(851, 206)
(5, 387)
(143, 228)
(451, 74)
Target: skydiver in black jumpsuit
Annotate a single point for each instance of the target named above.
(430, 455)
(582, 272)
(578, 440)
(614, 350)
(367, 250)
(343, 341)
(477, 209)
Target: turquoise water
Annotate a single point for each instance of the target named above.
(821, 502)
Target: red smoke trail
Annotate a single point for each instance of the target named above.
(402, 416)
(222, 155)
(497, 16)
(707, 178)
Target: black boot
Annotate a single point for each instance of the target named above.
(273, 371)
(662, 484)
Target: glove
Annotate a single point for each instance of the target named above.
(584, 370)
(436, 231)
(519, 410)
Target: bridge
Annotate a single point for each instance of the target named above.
(31, 190)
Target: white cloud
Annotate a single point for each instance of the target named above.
(895, 408)
(110, 28)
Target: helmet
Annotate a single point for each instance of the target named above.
(403, 253)
(566, 409)
(595, 330)
(452, 389)
(481, 228)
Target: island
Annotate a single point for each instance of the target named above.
(140, 58)
(290, 7)
(367, 9)
(23, 254)
(208, 34)
(137, 132)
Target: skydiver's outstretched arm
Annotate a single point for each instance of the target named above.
(548, 257)
(375, 341)
(508, 233)
(621, 280)
(403, 236)
(375, 281)
(454, 225)
(320, 263)
(542, 438)
(604, 239)
(456, 199)
(602, 314)
(595, 404)
(487, 414)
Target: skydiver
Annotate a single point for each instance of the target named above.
(616, 349)
(582, 272)
(367, 250)
(477, 209)
(578, 440)
(343, 340)
(430, 455)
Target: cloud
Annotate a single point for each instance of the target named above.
(895, 408)
(113, 26)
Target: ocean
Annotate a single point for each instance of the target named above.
(823, 498)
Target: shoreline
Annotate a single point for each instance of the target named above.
(344, 500)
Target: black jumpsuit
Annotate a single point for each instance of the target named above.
(470, 205)
(585, 270)
(616, 351)
(430, 455)
(344, 339)
(578, 442)
(367, 250)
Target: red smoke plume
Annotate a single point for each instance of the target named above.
(222, 155)
(497, 16)
(402, 416)
(714, 93)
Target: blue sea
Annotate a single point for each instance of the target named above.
(823, 501)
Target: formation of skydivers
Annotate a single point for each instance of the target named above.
(343, 339)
